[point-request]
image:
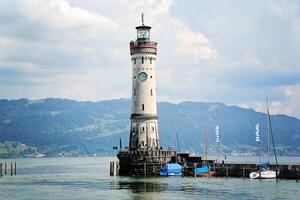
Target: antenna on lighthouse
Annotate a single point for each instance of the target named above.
(143, 19)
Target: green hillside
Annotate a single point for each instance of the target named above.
(67, 127)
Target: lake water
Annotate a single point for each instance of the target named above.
(88, 178)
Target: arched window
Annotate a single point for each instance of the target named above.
(150, 60)
(143, 60)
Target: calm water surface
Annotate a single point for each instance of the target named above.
(87, 178)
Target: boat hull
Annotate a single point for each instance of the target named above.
(207, 174)
(269, 174)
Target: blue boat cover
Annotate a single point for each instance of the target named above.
(201, 170)
(170, 168)
(266, 164)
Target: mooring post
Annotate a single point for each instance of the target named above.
(297, 174)
(1, 169)
(111, 171)
(226, 171)
(11, 168)
(145, 169)
(243, 171)
(195, 165)
(117, 168)
(259, 172)
(277, 174)
(15, 167)
(5, 168)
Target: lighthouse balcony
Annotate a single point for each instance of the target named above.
(146, 44)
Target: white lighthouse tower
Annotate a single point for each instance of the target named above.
(144, 129)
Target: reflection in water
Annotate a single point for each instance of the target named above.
(139, 186)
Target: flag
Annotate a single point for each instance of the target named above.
(257, 139)
(217, 134)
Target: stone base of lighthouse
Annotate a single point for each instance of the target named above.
(144, 162)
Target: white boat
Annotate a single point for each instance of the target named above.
(265, 172)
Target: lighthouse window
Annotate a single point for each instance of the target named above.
(151, 92)
(150, 76)
(134, 92)
(143, 60)
(150, 60)
(134, 60)
(152, 129)
(143, 129)
(143, 107)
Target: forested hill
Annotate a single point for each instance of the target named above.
(67, 127)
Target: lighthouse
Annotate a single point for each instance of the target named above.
(144, 155)
(144, 130)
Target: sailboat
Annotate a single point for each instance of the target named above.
(205, 171)
(264, 168)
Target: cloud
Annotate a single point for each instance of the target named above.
(289, 105)
(234, 52)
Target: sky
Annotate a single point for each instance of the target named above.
(230, 51)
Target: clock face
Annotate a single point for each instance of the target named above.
(143, 76)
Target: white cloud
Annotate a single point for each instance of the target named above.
(230, 52)
(289, 105)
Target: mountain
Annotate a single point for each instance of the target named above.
(68, 127)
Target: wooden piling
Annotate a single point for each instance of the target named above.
(117, 168)
(1, 169)
(111, 167)
(226, 171)
(15, 167)
(11, 169)
(5, 168)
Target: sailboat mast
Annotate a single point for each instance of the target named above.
(205, 143)
(268, 130)
(178, 147)
(271, 132)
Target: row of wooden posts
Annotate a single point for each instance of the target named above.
(114, 166)
(4, 168)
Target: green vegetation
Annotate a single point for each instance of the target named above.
(15, 149)
(70, 128)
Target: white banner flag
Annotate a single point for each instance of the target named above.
(257, 139)
(217, 134)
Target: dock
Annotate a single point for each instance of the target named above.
(149, 163)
